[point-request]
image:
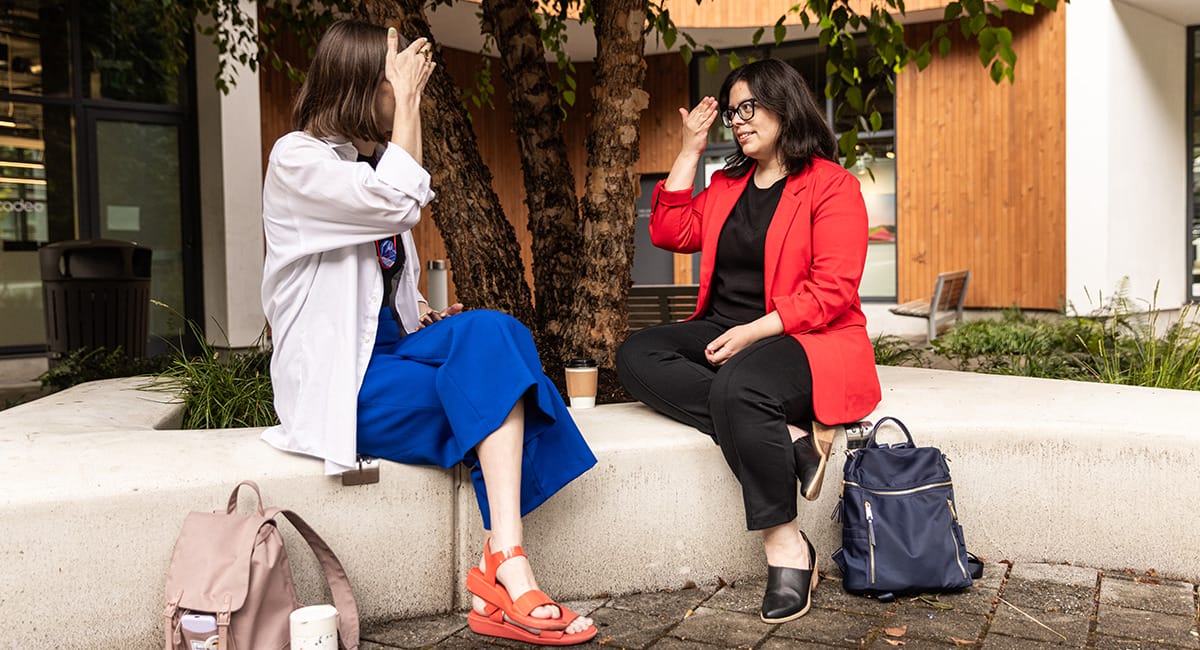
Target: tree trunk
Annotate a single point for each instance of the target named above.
(609, 205)
(549, 181)
(480, 242)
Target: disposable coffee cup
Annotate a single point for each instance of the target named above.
(314, 628)
(581, 383)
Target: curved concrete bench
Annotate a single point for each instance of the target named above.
(1044, 470)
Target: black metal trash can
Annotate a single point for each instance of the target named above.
(96, 294)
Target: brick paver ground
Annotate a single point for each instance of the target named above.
(1014, 606)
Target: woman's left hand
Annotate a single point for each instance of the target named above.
(736, 339)
(431, 316)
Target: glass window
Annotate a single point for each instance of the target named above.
(139, 181)
(876, 174)
(35, 53)
(1193, 239)
(130, 54)
(37, 205)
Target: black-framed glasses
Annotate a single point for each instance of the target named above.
(744, 110)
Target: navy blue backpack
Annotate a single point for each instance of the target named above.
(900, 530)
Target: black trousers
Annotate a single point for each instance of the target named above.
(746, 404)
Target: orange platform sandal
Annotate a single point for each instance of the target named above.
(507, 619)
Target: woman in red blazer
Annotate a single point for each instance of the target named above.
(778, 342)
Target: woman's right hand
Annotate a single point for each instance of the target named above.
(696, 124)
(408, 71)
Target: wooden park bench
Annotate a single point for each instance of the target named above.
(655, 304)
(949, 294)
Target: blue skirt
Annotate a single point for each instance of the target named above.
(430, 397)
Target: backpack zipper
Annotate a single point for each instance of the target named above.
(870, 537)
(954, 539)
(900, 492)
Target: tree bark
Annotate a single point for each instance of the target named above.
(480, 243)
(549, 180)
(609, 206)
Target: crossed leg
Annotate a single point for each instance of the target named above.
(500, 459)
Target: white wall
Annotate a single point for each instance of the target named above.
(1126, 153)
(230, 199)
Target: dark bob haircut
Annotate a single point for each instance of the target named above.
(337, 97)
(804, 134)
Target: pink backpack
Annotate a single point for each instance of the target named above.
(234, 567)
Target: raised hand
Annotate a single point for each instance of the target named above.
(696, 124)
(409, 70)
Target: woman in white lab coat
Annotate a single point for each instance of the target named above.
(361, 363)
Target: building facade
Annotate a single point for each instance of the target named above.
(1051, 190)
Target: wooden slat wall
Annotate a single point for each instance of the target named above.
(980, 171)
(666, 82)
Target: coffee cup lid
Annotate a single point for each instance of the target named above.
(581, 363)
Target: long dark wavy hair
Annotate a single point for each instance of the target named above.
(337, 97)
(803, 134)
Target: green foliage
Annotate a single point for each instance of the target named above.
(1020, 344)
(218, 393)
(1118, 343)
(892, 350)
(1130, 352)
(221, 391)
(843, 31)
(92, 364)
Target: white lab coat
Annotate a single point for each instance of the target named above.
(321, 290)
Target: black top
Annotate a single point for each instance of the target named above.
(737, 282)
(391, 259)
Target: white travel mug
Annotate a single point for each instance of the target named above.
(314, 628)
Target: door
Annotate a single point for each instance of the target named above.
(140, 190)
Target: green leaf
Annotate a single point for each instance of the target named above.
(669, 38)
(1004, 36)
(996, 71)
(876, 121)
(952, 11)
(1008, 55)
(977, 23)
(758, 34)
(686, 53)
(735, 61)
(780, 33)
(846, 144)
(854, 98)
(923, 58)
(569, 97)
(712, 64)
(987, 39)
(944, 46)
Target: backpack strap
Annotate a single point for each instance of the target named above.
(871, 440)
(173, 637)
(335, 575)
(223, 619)
(233, 498)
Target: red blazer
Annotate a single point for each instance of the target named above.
(815, 251)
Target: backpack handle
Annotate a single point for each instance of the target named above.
(335, 575)
(871, 441)
(233, 498)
